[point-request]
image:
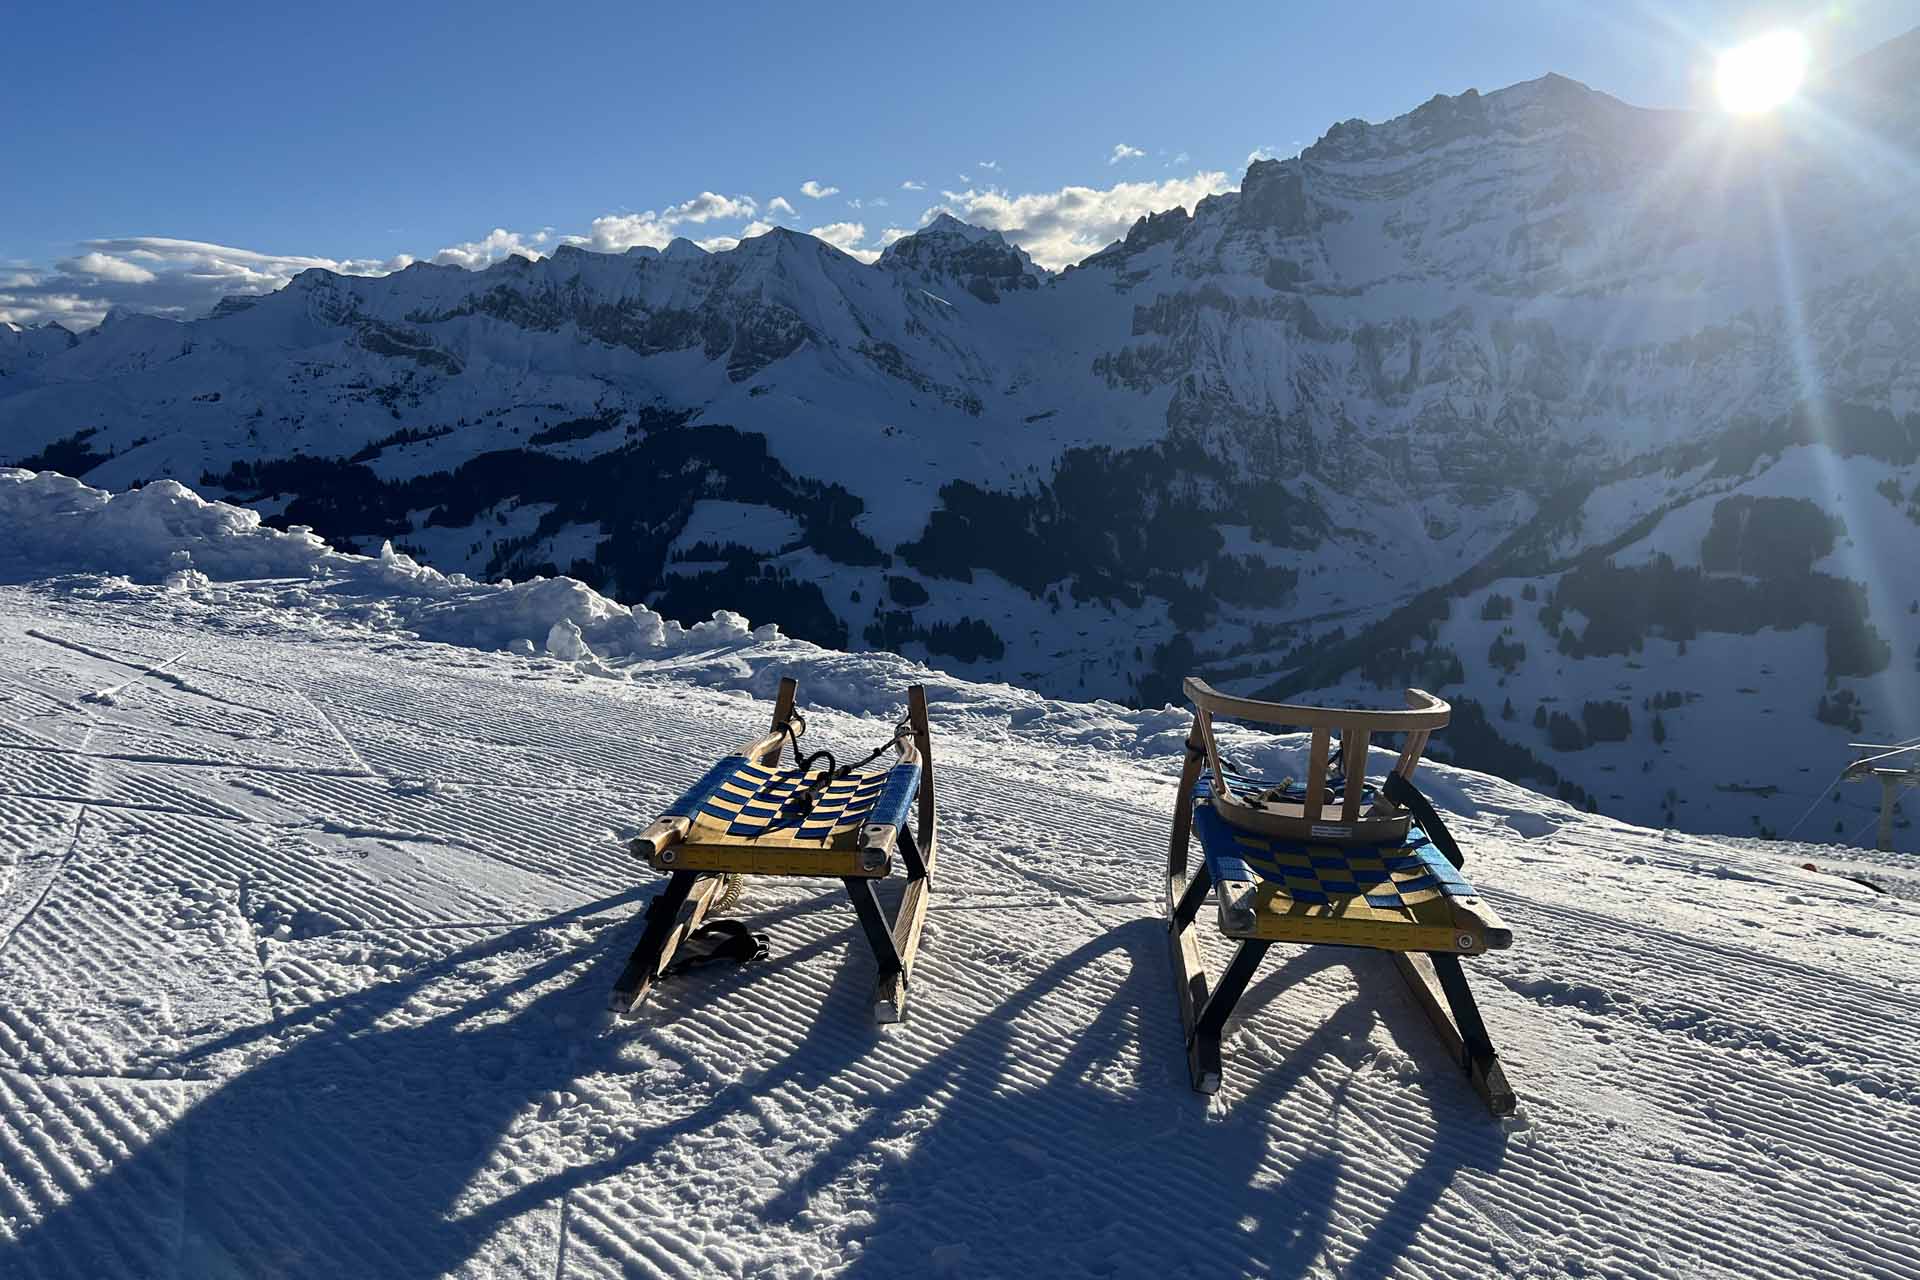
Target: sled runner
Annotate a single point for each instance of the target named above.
(1334, 859)
(752, 816)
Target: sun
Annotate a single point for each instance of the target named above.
(1763, 73)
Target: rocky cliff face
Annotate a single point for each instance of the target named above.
(1289, 436)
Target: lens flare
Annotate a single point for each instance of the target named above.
(1763, 73)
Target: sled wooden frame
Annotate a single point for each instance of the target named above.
(1433, 976)
(697, 870)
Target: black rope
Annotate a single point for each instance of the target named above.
(808, 794)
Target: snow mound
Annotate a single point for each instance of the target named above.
(165, 532)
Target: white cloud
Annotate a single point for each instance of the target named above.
(497, 244)
(755, 228)
(1262, 153)
(618, 232)
(707, 206)
(1121, 151)
(911, 185)
(878, 202)
(156, 274)
(38, 307)
(1061, 227)
(989, 164)
(891, 234)
(853, 204)
(780, 204)
(104, 266)
(815, 191)
(718, 244)
(844, 236)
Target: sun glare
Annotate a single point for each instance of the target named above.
(1762, 73)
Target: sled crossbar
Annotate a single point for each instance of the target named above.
(749, 816)
(1387, 879)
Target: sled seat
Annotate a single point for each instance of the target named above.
(1401, 896)
(744, 818)
(1336, 860)
(751, 815)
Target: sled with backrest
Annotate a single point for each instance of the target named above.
(1333, 859)
(750, 815)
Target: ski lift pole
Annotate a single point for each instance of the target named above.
(1893, 777)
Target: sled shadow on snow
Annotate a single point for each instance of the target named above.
(354, 1151)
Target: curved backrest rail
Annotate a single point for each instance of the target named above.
(1356, 728)
(1424, 711)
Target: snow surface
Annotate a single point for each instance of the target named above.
(311, 891)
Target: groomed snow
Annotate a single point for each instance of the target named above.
(311, 890)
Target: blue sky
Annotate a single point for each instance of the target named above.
(217, 148)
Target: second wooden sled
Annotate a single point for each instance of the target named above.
(752, 816)
(1333, 860)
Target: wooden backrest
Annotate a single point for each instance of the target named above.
(1425, 714)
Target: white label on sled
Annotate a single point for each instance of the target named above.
(1331, 833)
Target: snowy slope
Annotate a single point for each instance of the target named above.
(306, 924)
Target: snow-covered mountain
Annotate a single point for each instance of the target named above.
(1556, 404)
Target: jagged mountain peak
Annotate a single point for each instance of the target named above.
(1520, 110)
(978, 258)
(778, 242)
(945, 224)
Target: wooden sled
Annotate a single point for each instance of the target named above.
(748, 817)
(1335, 860)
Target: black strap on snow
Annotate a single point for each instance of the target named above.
(718, 940)
(1407, 796)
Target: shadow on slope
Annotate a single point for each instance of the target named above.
(369, 1147)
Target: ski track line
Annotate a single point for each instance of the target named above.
(346, 742)
(560, 1249)
(73, 844)
(258, 947)
(132, 806)
(105, 696)
(160, 671)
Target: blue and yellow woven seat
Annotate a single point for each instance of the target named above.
(745, 817)
(1402, 896)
